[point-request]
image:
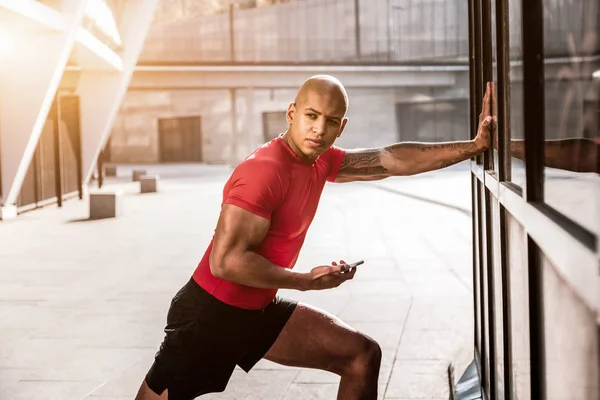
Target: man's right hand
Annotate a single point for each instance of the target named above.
(328, 276)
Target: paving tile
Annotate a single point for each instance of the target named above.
(83, 303)
(438, 317)
(432, 344)
(125, 381)
(257, 384)
(47, 390)
(311, 391)
(387, 333)
(375, 310)
(418, 380)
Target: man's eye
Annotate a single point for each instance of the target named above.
(332, 122)
(312, 116)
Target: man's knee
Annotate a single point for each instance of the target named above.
(366, 360)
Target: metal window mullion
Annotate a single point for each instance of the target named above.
(534, 125)
(472, 70)
(533, 98)
(506, 307)
(487, 76)
(486, 54)
(478, 92)
(477, 269)
(536, 321)
(502, 89)
(491, 282)
(482, 286)
(475, 253)
(504, 168)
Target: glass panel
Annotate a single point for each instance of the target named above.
(571, 339)
(516, 139)
(572, 104)
(516, 245)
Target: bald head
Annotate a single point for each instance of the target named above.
(324, 85)
(317, 117)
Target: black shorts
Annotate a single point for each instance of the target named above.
(206, 338)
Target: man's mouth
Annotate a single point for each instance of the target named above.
(316, 142)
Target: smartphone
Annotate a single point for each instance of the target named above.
(356, 264)
(353, 265)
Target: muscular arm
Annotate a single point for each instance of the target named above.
(407, 158)
(232, 258)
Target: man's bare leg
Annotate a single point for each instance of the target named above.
(314, 339)
(145, 393)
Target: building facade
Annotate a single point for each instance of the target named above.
(237, 70)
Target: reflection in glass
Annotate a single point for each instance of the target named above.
(572, 44)
(516, 90)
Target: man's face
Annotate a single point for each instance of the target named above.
(315, 122)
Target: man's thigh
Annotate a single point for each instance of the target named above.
(315, 339)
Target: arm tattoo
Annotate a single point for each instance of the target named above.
(363, 163)
(453, 151)
(464, 148)
(406, 158)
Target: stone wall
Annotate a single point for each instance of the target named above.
(372, 118)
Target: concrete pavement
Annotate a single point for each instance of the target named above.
(83, 303)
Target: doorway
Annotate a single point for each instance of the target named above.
(180, 139)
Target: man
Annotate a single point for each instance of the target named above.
(228, 314)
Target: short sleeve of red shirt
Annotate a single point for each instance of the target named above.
(335, 155)
(256, 186)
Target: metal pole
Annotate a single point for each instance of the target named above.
(231, 33)
(357, 28)
(389, 30)
(56, 116)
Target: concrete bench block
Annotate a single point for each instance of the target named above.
(8, 212)
(148, 183)
(110, 170)
(137, 173)
(104, 205)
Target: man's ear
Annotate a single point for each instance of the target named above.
(291, 113)
(342, 126)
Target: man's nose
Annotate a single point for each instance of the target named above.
(319, 126)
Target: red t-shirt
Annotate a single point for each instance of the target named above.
(274, 183)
